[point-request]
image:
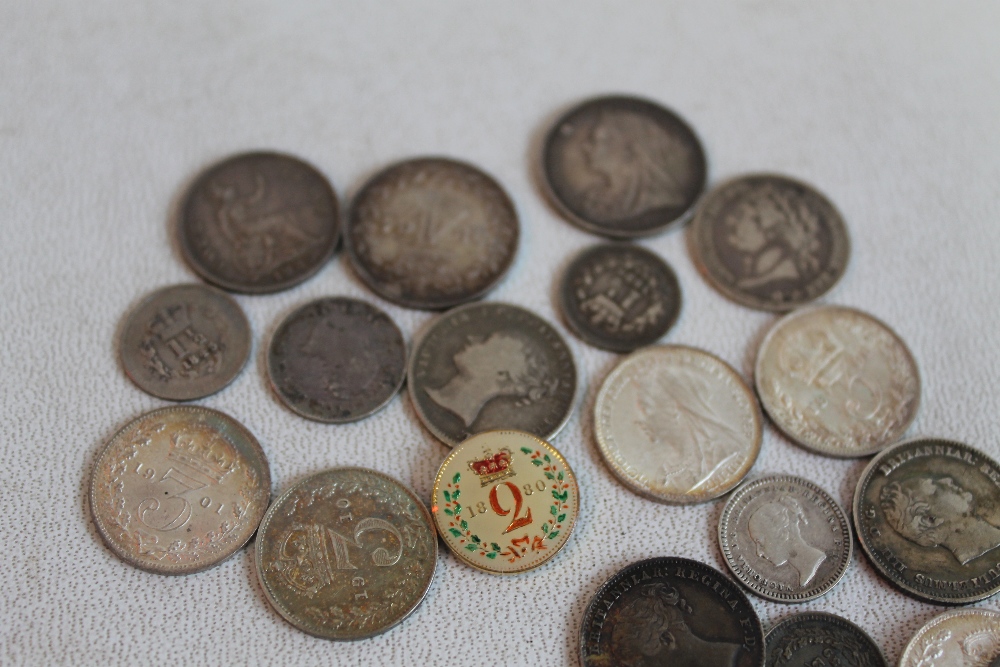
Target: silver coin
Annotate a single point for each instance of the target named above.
(818, 639)
(959, 638)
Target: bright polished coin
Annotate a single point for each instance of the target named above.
(959, 638)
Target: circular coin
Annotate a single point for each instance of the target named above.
(623, 167)
(336, 360)
(431, 233)
(259, 222)
(837, 381)
(958, 638)
(179, 490)
(677, 424)
(769, 242)
(505, 501)
(927, 513)
(346, 553)
(489, 366)
(816, 638)
(619, 296)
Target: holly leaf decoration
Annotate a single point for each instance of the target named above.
(447, 495)
(561, 518)
(464, 524)
(496, 547)
(537, 462)
(455, 495)
(552, 510)
(448, 512)
(550, 475)
(455, 532)
(456, 478)
(491, 555)
(526, 450)
(471, 547)
(553, 534)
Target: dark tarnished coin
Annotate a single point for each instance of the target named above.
(179, 490)
(815, 638)
(185, 342)
(346, 553)
(259, 222)
(431, 233)
(488, 366)
(958, 638)
(671, 611)
(927, 513)
(619, 296)
(769, 242)
(337, 360)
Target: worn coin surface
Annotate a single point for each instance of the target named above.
(623, 167)
(927, 513)
(785, 539)
(337, 360)
(959, 638)
(619, 296)
(431, 233)
(259, 222)
(505, 501)
(487, 366)
(677, 424)
(769, 242)
(816, 638)
(837, 381)
(346, 553)
(179, 489)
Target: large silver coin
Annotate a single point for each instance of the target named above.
(959, 638)
(818, 639)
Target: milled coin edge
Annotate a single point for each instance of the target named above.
(906, 658)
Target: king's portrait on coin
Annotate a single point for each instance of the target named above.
(775, 529)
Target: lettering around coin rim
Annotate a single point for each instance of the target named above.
(802, 639)
(971, 633)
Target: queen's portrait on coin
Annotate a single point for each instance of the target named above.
(775, 529)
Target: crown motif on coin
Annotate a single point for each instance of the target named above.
(203, 451)
(493, 467)
(303, 560)
(170, 322)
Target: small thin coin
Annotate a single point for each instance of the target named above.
(487, 366)
(619, 296)
(671, 611)
(769, 242)
(817, 638)
(837, 381)
(785, 539)
(337, 360)
(505, 502)
(185, 342)
(431, 233)
(259, 222)
(179, 490)
(927, 513)
(677, 424)
(959, 638)
(623, 167)
(346, 553)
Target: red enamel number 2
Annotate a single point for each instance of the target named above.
(495, 504)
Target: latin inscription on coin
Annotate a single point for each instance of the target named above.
(960, 638)
(817, 639)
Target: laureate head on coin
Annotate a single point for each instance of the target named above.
(817, 638)
(259, 222)
(956, 638)
(179, 490)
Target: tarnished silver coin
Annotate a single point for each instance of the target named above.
(927, 513)
(769, 242)
(489, 366)
(815, 639)
(179, 490)
(337, 360)
(623, 167)
(677, 424)
(619, 296)
(431, 233)
(785, 539)
(837, 381)
(959, 638)
(346, 553)
(259, 222)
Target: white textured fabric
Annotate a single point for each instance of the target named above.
(107, 110)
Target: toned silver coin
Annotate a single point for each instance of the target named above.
(346, 553)
(677, 424)
(837, 381)
(769, 242)
(259, 222)
(623, 167)
(431, 233)
(927, 513)
(179, 490)
(785, 539)
(619, 296)
(185, 342)
(671, 611)
(816, 638)
(337, 360)
(959, 638)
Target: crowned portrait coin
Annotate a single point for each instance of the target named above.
(817, 638)
(958, 638)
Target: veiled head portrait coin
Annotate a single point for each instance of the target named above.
(958, 638)
(817, 638)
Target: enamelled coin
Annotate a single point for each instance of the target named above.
(677, 424)
(623, 167)
(671, 611)
(769, 242)
(185, 342)
(785, 539)
(505, 501)
(619, 296)
(337, 360)
(346, 553)
(179, 490)
(959, 638)
(431, 233)
(259, 222)
(837, 381)
(817, 638)
(927, 513)
(486, 366)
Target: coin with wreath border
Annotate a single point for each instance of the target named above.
(956, 639)
(817, 638)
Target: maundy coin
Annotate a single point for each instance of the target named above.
(814, 639)
(958, 638)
